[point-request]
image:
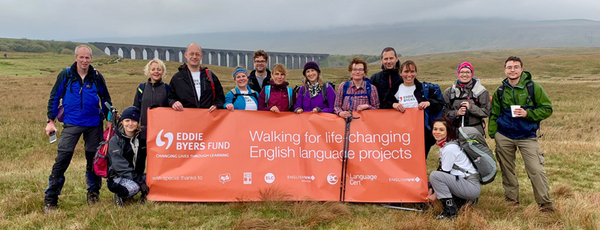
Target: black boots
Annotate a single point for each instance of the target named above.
(450, 209)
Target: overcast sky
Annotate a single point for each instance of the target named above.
(77, 19)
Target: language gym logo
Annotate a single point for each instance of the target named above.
(159, 141)
(269, 178)
(332, 178)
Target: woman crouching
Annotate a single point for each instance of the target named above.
(126, 167)
(456, 181)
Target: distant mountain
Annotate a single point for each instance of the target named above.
(414, 38)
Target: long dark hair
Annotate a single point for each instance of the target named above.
(450, 130)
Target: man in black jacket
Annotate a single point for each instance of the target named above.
(260, 76)
(194, 86)
(389, 74)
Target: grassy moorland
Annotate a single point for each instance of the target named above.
(571, 77)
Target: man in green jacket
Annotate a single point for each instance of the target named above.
(518, 129)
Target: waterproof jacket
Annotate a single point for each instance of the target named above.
(83, 100)
(253, 81)
(479, 103)
(279, 97)
(435, 104)
(519, 128)
(150, 95)
(123, 161)
(384, 80)
(240, 102)
(182, 89)
(306, 103)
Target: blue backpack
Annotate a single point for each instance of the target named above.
(368, 89)
(429, 117)
(290, 92)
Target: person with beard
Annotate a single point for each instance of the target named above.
(277, 96)
(389, 74)
(260, 76)
(194, 86)
(467, 99)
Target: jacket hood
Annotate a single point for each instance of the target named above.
(525, 77)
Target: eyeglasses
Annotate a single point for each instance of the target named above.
(465, 72)
(516, 67)
(357, 70)
(263, 61)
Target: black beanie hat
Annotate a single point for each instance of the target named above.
(132, 113)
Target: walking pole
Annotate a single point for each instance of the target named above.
(345, 157)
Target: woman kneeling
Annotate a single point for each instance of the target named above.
(126, 167)
(456, 180)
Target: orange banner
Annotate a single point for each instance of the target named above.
(223, 156)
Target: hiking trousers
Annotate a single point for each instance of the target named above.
(533, 158)
(92, 136)
(445, 185)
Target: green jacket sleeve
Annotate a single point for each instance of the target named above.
(543, 108)
(495, 113)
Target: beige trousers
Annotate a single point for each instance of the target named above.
(533, 157)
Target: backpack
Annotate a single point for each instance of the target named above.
(251, 93)
(475, 147)
(429, 118)
(290, 92)
(368, 89)
(212, 84)
(530, 91)
(324, 90)
(101, 159)
(61, 109)
(142, 86)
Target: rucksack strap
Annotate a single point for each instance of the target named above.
(267, 94)
(212, 84)
(367, 88)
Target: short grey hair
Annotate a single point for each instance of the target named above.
(83, 46)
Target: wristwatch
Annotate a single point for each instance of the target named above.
(48, 120)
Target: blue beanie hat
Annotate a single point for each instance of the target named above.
(132, 113)
(311, 65)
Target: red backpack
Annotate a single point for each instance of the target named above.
(101, 158)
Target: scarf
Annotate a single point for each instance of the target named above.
(314, 89)
(441, 143)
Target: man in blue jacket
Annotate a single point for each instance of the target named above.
(82, 92)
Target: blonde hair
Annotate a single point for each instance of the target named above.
(279, 68)
(160, 63)
(84, 46)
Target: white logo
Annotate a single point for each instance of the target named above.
(417, 179)
(160, 143)
(269, 178)
(247, 178)
(224, 178)
(332, 178)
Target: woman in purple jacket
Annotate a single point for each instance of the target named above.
(315, 95)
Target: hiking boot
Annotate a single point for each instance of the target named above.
(547, 207)
(93, 198)
(511, 202)
(49, 207)
(450, 210)
(118, 201)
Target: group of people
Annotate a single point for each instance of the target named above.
(81, 92)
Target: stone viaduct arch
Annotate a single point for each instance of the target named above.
(229, 58)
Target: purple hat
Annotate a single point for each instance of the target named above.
(465, 65)
(311, 65)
